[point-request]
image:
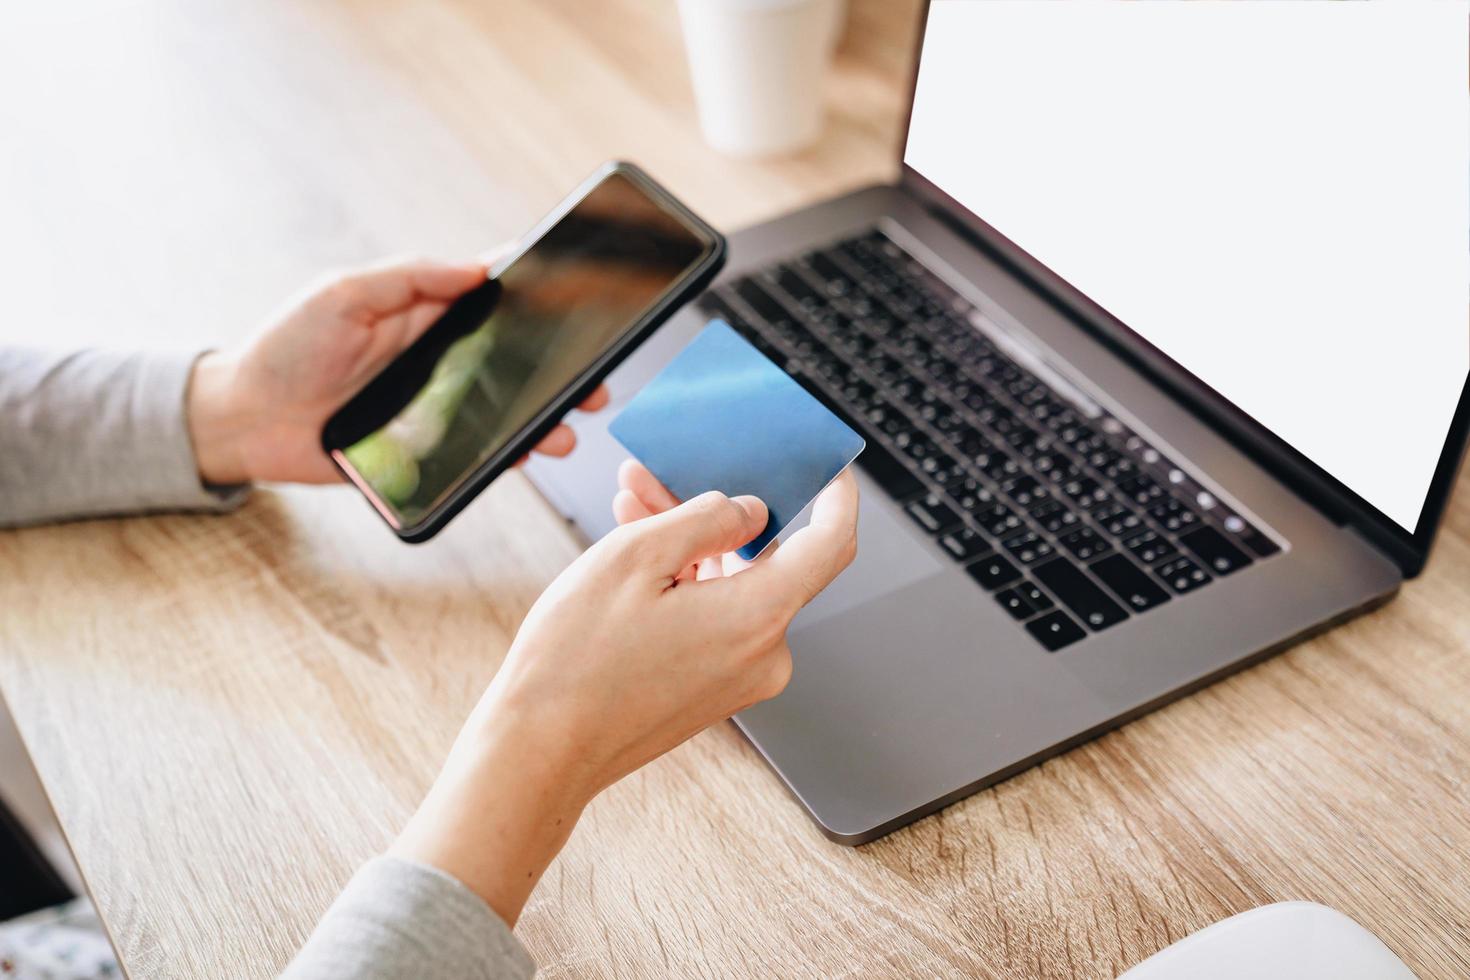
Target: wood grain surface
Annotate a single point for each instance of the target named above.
(231, 713)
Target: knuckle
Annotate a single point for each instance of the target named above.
(720, 510)
(813, 581)
(334, 289)
(777, 675)
(770, 626)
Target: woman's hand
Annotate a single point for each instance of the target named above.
(622, 658)
(257, 413)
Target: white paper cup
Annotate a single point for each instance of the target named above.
(757, 69)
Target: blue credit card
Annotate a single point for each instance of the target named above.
(722, 417)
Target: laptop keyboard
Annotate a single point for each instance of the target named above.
(1073, 522)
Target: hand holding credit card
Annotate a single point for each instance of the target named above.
(721, 416)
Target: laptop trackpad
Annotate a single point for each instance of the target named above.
(889, 558)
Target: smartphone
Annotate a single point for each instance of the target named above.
(511, 357)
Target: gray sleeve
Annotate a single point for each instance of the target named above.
(89, 433)
(397, 918)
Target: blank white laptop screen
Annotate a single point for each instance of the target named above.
(1277, 196)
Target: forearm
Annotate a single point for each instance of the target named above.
(442, 902)
(502, 807)
(96, 432)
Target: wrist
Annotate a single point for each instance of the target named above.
(216, 421)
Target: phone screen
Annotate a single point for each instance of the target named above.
(505, 352)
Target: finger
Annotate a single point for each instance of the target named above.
(396, 285)
(558, 442)
(732, 564)
(634, 476)
(709, 525)
(317, 469)
(814, 556)
(596, 401)
(421, 316)
(627, 508)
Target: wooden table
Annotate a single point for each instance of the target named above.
(232, 713)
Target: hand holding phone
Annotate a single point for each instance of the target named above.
(509, 358)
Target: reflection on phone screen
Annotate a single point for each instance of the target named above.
(561, 305)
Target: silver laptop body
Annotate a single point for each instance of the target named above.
(915, 682)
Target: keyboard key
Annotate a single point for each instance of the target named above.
(949, 475)
(1014, 603)
(1141, 489)
(1182, 575)
(964, 544)
(858, 395)
(893, 424)
(1049, 464)
(998, 519)
(798, 289)
(917, 446)
(1173, 515)
(1150, 547)
(759, 300)
(1257, 541)
(1260, 543)
(1129, 583)
(1215, 550)
(993, 572)
(889, 473)
(1057, 520)
(1114, 518)
(932, 513)
(1025, 491)
(1080, 488)
(1001, 468)
(1034, 597)
(971, 496)
(837, 281)
(950, 423)
(1055, 630)
(1078, 593)
(1028, 547)
(1085, 543)
(1098, 499)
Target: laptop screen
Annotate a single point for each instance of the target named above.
(1276, 196)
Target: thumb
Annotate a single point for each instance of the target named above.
(814, 556)
(708, 525)
(397, 285)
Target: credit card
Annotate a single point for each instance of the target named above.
(722, 417)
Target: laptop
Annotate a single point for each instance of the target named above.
(1152, 387)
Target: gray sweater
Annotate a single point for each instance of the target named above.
(98, 433)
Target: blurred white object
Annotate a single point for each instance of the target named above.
(757, 69)
(1289, 940)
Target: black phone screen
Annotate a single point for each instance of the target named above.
(506, 350)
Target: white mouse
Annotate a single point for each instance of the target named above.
(1295, 940)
